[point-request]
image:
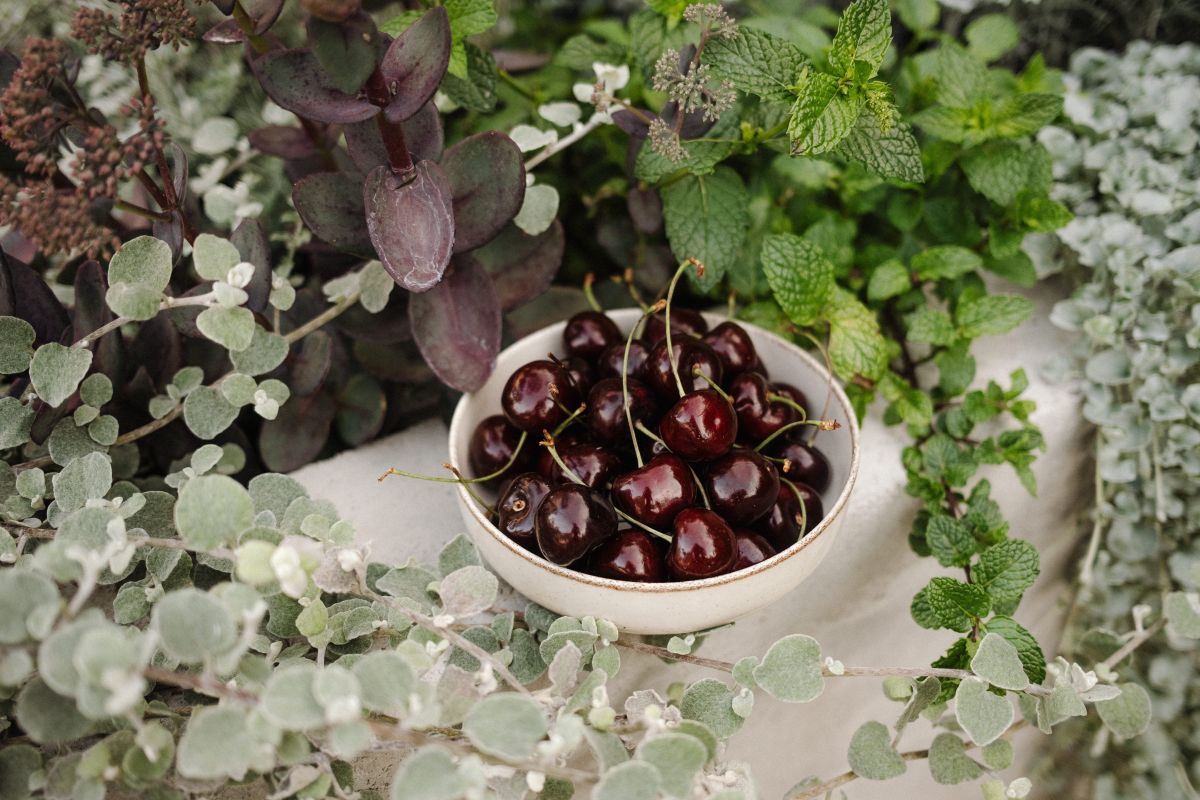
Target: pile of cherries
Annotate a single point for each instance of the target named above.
(728, 478)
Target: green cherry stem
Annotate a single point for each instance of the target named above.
(637, 451)
(787, 401)
(670, 297)
(631, 287)
(466, 485)
(588, 294)
(460, 479)
(799, 499)
(548, 443)
(819, 424)
(699, 487)
(562, 426)
(641, 525)
(716, 387)
(641, 426)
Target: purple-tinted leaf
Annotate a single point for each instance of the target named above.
(694, 122)
(283, 141)
(361, 408)
(487, 179)
(456, 325)
(348, 50)
(520, 60)
(422, 135)
(251, 241)
(388, 326)
(629, 122)
(331, 205)
(225, 6)
(521, 266)
(553, 305)
(645, 209)
(411, 224)
(179, 172)
(310, 364)
(415, 62)
(24, 294)
(158, 349)
(184, 317)
(298, 434)
(171, 232)
(263, 12)
(226, 31)
(90, 312)
(295, 80)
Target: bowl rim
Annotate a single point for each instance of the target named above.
(458, 430)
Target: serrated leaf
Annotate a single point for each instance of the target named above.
(477, 91)
(706, 217)
(800, 276)
(992, 314)
(856, 345)
(982, 715)
(893, 153)
(945, 261)
(872, 755)
(1006, 570)
(888, 280)
(931, 326)
(949, 763)
(756, 62)
(411, 224)
(823, 115)
(863, 35)
(950, 540)
(949, 603)
(997, 170)
(961, 77)
(791, 669)
(56, 371)
(1024, 114)
(998, 663)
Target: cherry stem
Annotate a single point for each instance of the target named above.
(631, 287)
(562, 426)
(466, 485)
(637, 451)
(548, 443)
(641, 426)
(641, 525)
(700, 487)
(588, 280)
(787, 401)
(819, 424)
(699, 371)
(803, 506)
(460, 479)
(671, 296)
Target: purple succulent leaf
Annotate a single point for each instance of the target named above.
(521, 266)
(179, 172)
(285, 141)
(456, 326)
(24, 294)
(487, 179)
(171, 232)
(250, 239)
(331, 205)
(227, 31)
(629, 122)
(348, 50)
(645, 209)
(298, 434)
(263, 12)
(411, 224)
(90, 312)
(295, 80)
(422, 135)
(415, 62)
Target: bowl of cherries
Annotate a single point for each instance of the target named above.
(670, 478)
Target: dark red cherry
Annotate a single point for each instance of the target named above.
(518, 505)
(689, 353)
(590, 333)
(702, 545)
(492, 445)
(684, 322)
(742, 486)
(733, 346)
(700, 426)
(804, 462)
(536, 395)
(609, 365)
(571, 520)
(631, 555)
(791, 393)
(757, 416)
(655, 493)
(582, 374)
(787, 520)
(595, 464)
(751, 548)
(606, 411)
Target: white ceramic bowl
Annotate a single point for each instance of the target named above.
(660, 608)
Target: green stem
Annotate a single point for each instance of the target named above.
(820, 424)
(799, 499)
(671, 296)
(716, 387)
(521, 89)
(787, 401)
(588, 293)
(641, 426)
(637, 451)
(641, 525)
(548, 443)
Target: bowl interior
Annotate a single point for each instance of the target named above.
(785, 362)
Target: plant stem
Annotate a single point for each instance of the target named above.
(399, 159)
(141, 211)
(562, 144)
(641, 525)
(820, 424)
(670, 297)
(548, 443)
(637, 451)
(1134, 643)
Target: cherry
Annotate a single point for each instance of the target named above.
(538, 396)
(685, 323)
(781, 524)
(689, 353)
(804, 463)
(590, 333)
(733, 346)
(571, 520)
(631, 555)
(700, 426)
(595, 465)
(751, 548)
(606, 410)
(655, 493)
(582, 374)
(518, 505)
(758, 417)
(492, 445)
(702, 545)
(791, 393)
(742, 485)
(609, 365)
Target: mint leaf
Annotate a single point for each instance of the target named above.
(961, 77)
(950, 541)
(943, 122)
(997, 170)
(706, 217)
(890, 154)
(823, 115)
(1006, 570)
(757, 62)
(1023, 114)
(918, 15)
(991, 36)
(888, 280)
(702, 157)
(856, 346)
(992, 314)
(1040, 213)
(1028, 650)
(799, 274)
(914, 406)
(863, 35)
(476, 89)
(671, 9)
(949, 603)
(467, 18)
(945, 261)
(931, 326)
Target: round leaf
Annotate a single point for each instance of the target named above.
(16, 345)
(949, 762)
(632, 780)
(709, 701)
(295, 80)
(791, 669)
(983, 715)
(678, 757)
(506, 725)
(144, 261)
(192, 625)
(411, 224)
(289, 700)
(57, 370)
(206, 412)
(997, 662)
(1128, 714)
(331, 205)
(216, 744)
(47, 717)
(872, 755)
(487, 179)
(212, 510)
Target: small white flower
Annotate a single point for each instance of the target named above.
(562, 114)
(1019, 788)
(614, 77)
(834, 666)
(349, 560)
(240, 274)
(285, 563)
(266, 407)
(529, 138)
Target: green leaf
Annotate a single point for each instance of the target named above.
(86, 478)
(678, 757)
(943, 122)
(631, 780)
(950, 541)
(1006, 570)
(706, 217)
(476, 91)
(429, 774)
(16, 421)
(143, 261)
(1025, 114)
(949, 603)
(756, 62)
(945, 261)
(1128, 714)
(998, 663)
(998, 755)
(193, 626)
(991, 36)
(216, 744)
(856, 345)
(997, 170)
(800, 276)
(289, 699)
(992, 314)
(949, 763)
(467, 591)
(387, 682)
(893, 153)
(932, 326)
(212, 510)
(926, 692)
(710, 702)
(982, 715)
(23, 595)
(96, 389)
(16, 345)
(1039, 213)
(1027, 646)
(863, 35)
(1182, 610)
(459, 552)
(56, 371)
(918, 15)
(47, 717)
(506, 725)
(207, 413)
(265, 352)
(232, 327)
(912, 404)
(18, 763)
(888, 280)
(872, 755)
(961, 78)
(213, 257)
(823, 115)
(791, 669)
